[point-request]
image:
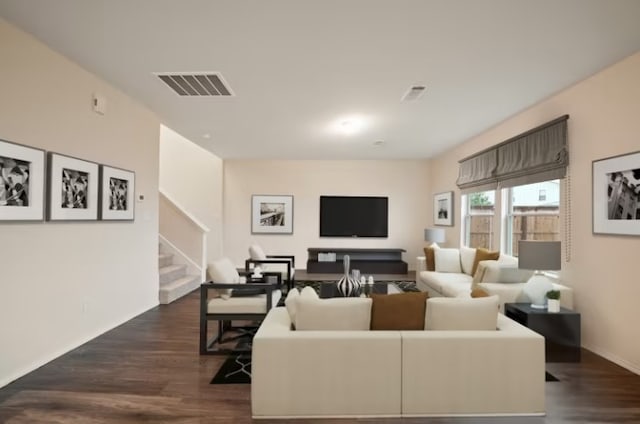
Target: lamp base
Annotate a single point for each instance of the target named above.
(536, 290)
(534, 306)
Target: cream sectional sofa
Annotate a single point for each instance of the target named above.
(499, 277)
(362, 373)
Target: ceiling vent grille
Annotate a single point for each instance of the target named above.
(197, 84)
(414, 93)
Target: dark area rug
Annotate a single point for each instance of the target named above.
(549, 377)
(407, 286)
(235, 370)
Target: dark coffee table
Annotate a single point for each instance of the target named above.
(329, 289)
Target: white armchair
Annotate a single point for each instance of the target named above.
(228, 296)
(283, 264)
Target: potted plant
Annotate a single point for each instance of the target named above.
(553, 301)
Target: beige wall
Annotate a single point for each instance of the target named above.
(61, 283)
(602, 269)
(404, 182)
(192, 177)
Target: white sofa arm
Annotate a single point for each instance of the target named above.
(494, 372)
(303, 373)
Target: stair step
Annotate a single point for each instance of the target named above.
(172, 272)
(177, 288)
(164, 259)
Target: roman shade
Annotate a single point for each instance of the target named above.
(537, 155)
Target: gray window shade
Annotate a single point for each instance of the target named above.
(477, 172)
(537, 155)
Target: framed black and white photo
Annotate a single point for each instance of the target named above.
(117, 191)
(22, 171)
(616, 195)
(73, 189)
(271, 214)
(443, 208)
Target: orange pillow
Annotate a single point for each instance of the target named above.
(483, 255)
(478, 292)
(402, 311)
(430, 256)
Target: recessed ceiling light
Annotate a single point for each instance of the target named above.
(206, 136)
(349, 125)
(378, 143)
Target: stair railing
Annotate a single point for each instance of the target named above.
(184, 234)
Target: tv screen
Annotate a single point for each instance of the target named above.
(349, 216)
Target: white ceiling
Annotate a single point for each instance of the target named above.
(299, 66)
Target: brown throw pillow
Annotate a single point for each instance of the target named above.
(478, 292)
(402, 311)
(430, 256)
(483, 255)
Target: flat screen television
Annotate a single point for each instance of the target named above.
(351, 216)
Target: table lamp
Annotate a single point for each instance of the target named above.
(538, 256)
(434, 235)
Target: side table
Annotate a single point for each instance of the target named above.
(561, 330)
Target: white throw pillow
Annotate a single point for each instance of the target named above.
(309, 292)
(447, 260)
(291, 303)
(256, 253)
(222, 271)
(467, 257)
(350, 313)
(458, 313)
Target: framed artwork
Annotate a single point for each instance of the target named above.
(271, 214)
(616, 195)
(117, 191)
(73, 189)
(22, 171)
(443, 208)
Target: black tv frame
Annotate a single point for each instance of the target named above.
(320, 229)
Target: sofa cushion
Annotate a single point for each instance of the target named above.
(429, 255)
(483, 255)
(441, 280)
(467, 256)
(444, 313)
(402, 311)
(291, 303)
(448, 260)
(350, 313)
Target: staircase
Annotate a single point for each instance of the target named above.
(174, 280)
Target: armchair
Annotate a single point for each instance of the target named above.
(229, 297)
(283, 264)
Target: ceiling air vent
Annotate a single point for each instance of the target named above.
(200, 84)
(414, 93)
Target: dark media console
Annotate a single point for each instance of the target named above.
(368, 261)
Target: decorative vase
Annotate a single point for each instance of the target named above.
(553, 305)
(347, 286)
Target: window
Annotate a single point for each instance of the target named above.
(533, 213)
(479, 210)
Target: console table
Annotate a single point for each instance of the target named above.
(368, 261)
(561, 330)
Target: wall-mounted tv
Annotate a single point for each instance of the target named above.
(351, 216)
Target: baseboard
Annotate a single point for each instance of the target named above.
(58, 353)
(634, 368)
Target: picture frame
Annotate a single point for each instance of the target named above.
(271, 214)
(72, 193)
(22, 177)
(117, 194)
(616, 195)
(443, 209)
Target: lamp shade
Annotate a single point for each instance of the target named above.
(435, 235)
(539, 255)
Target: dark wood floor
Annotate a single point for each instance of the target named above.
(149, 371)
